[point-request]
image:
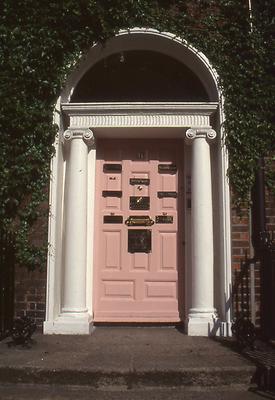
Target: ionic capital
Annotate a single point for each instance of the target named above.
(85, 134)
(207, 134)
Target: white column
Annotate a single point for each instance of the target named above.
(202, 314)
(74, 317)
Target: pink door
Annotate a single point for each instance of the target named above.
(139, 231)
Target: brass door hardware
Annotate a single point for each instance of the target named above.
(139, 220)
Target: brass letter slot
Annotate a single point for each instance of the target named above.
(164, 219)
(167, 168)
(139, 181)
(139, 202)
(139, 220)
(114, 168)
(161, 195)
(112, 219)
(112, 193)
(139, 241)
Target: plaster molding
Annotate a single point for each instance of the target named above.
(85, 134)
(67, 136)
(89, 138)
(126, 115)
(208, 134)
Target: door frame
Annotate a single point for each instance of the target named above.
(124, 120)
(86, 121)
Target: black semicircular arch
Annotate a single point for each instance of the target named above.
(139, 76)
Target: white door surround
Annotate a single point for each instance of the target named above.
(71, 227)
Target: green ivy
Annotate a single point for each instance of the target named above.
(40, 43)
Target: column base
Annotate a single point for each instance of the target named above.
(208, 325)
(69, 324)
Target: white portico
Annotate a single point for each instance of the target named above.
(71, 265)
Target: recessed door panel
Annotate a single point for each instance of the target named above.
(161, 290)
(118, 289)
(112, 249)
(138, 274)
(140, 261)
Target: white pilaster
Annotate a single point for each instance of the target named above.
(74, 317)
(202, 314)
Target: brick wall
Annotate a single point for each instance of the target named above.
(240, 238)
(241, 254)
(30, 294)
(30, 286)
(242, 269)
(270, 210)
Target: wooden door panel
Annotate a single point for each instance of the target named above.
(111, 250)
(116, 289)
(168, 251)
(161, 290)
(140, 261)
(131, 283)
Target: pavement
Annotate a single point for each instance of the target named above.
(127, 358)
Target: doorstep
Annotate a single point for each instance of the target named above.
(125, 356)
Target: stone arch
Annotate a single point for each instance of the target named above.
(147, 39)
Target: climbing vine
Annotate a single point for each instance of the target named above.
(40, 43)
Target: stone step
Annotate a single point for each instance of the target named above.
(125, 357)
(207, 377)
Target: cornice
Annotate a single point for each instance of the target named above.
(101, 115)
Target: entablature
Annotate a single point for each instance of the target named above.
(139, 115)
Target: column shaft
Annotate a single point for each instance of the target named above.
(74, 293)
(202, 312)
(202, 229)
